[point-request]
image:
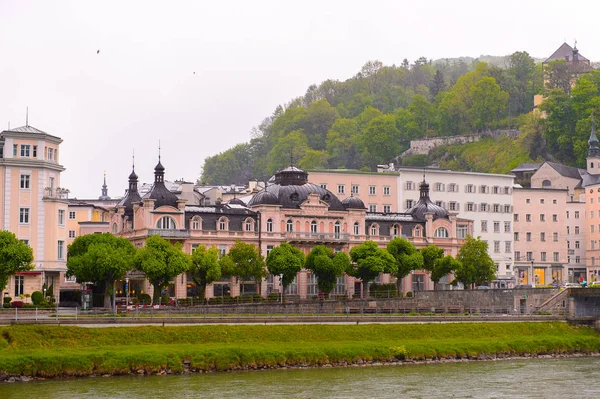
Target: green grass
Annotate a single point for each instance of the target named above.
(50, 351)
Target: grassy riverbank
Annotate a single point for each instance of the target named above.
(50, 351)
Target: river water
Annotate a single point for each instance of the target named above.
(533, 378)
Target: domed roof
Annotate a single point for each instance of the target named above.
(132, 196)
(236, 201)
(159, 192)
(424, 205)
(291, 188)
(353, 203)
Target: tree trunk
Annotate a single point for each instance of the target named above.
(108, 289)
(156, 294)
(365, 289)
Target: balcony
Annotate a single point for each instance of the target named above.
(181, 234)
(316, 237)
(56, 193)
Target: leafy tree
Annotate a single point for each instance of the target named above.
(422, 112)
(380, 143)
(247, 262)
(161, 262)
(340, 143)
(557, 75)
(205, 268)
(15, 256)
(285, 260)
(314, 159)
(327, 266)
(488, 101)
(442, 267)
(289, 149)
(369, 261)
(100, 259)
(406, 256)
(320, 117)
(438, 84)
(522, 68)
(430, 254)
(476, 266)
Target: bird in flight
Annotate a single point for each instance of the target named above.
(98, 52)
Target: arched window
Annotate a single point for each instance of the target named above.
(441, 232)
(115, 228)
(269, 225)
(373, 229)
(196, 223)
(337, 229)
(356, 228)
(395, 230)
(546, 183)
(166, 223)
(249, 223)
(313, 227)
(418, 231)
(289, 226)
(222, 224)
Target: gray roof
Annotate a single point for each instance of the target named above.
(27, 129)
(390, 217)
(567, 171)
(561, 53)
(527, 167)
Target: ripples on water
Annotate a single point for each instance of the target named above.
(535, 378)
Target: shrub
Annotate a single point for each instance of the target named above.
(17, 304)
(145, 299)
(409, 294)
(274, 297)
(165, 300)
(383, 290)
(7, 300)
(37, 297)
(249, 298)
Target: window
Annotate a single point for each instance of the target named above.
(507, 227)
(61, 217)
(50, 153)
(496, 190)
(373, 229)
(355, 189)
(516, 217)
(395, 230)
(15, 149)
(506, 190)
(269, 249)
(528, 236)
(410, 185)
(576, 244)
(452, 206)
(372, 207)
(577, 229)
(165, 223)
(313, 227)
(555, 237)
(469, 188)
(555, 218)
(441, 232)
(517, 255)
(71, 215)
(496, 246)
(591, 214)
(542, 237)
(462, 230)
(484, 226)
(26, 242)
(417, 232)
(530, 256)
(506, 208)
(438, 187)
(439, 203)
(25, 150)
(196, 223)
(543, 256)
(528, 217)
(341, 189)
(409, 204)
(71, 233)
(483, 189)
(554, 201)
(569, 229)
(452, 188)
(496, 208)
(337, 229)
(555, 257)
(507, 247)
(483, 207)
(269, 225)
(289, 226)
(249, 224)
(25, 181)
(386, 190)
(222, 250)
(19, 283)
(323, 185)
(222, 224)
(496, 227)
(115, 228)
(567, 214)
(372, 190)
(24, 215)
(541, 200)
(516, 236)
(35, 151)
(60, 250)
(546, 183)
(356, 228)
(527, 201)
(470, 206)
(387, 208)
(576, 215)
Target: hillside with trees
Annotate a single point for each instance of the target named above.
(370, 119)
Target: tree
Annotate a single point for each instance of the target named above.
(442, 267)
(407, 258)
(291, 148)
(314, 159)
(340, 143)
(15, 256)
(430, 254)
(438, 84)
(205, 268)
(326, 266)
(247, 262)
(476, 266)
(489, 100)
(285, 260)
(557, 75)
(161, 262)
(380, 143)
(522, 68)
(100, 259)
(369, 261)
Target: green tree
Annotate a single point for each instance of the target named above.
(15, 256)
(522, 67)
(380, 143)
(476, 266)
(430, 254)
(557, 75)
(327, 266)
(340, 143)
(161, 262)
(489, 100)
(286, 260)
(100, 259)
(291, 148)
(320, 117)
(369, 261)
(205, 268)
(438, 84)
(407, 258)
(314, 159)
(422, 111)
(248, 264)
(442, 267)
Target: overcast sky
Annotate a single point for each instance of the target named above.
(248, 57)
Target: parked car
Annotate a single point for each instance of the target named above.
(571, 285)
(484, 287)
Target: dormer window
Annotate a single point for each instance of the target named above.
(223, 224)
(441, 232)
(196, 223)
(374, 229)
(249, 224)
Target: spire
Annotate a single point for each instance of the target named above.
(104, 195)
(593, 150)
(159, 169)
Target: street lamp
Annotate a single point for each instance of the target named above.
(281, 284)
(126, 293)
(532, 275)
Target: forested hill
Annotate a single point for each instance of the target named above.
(370, 118)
